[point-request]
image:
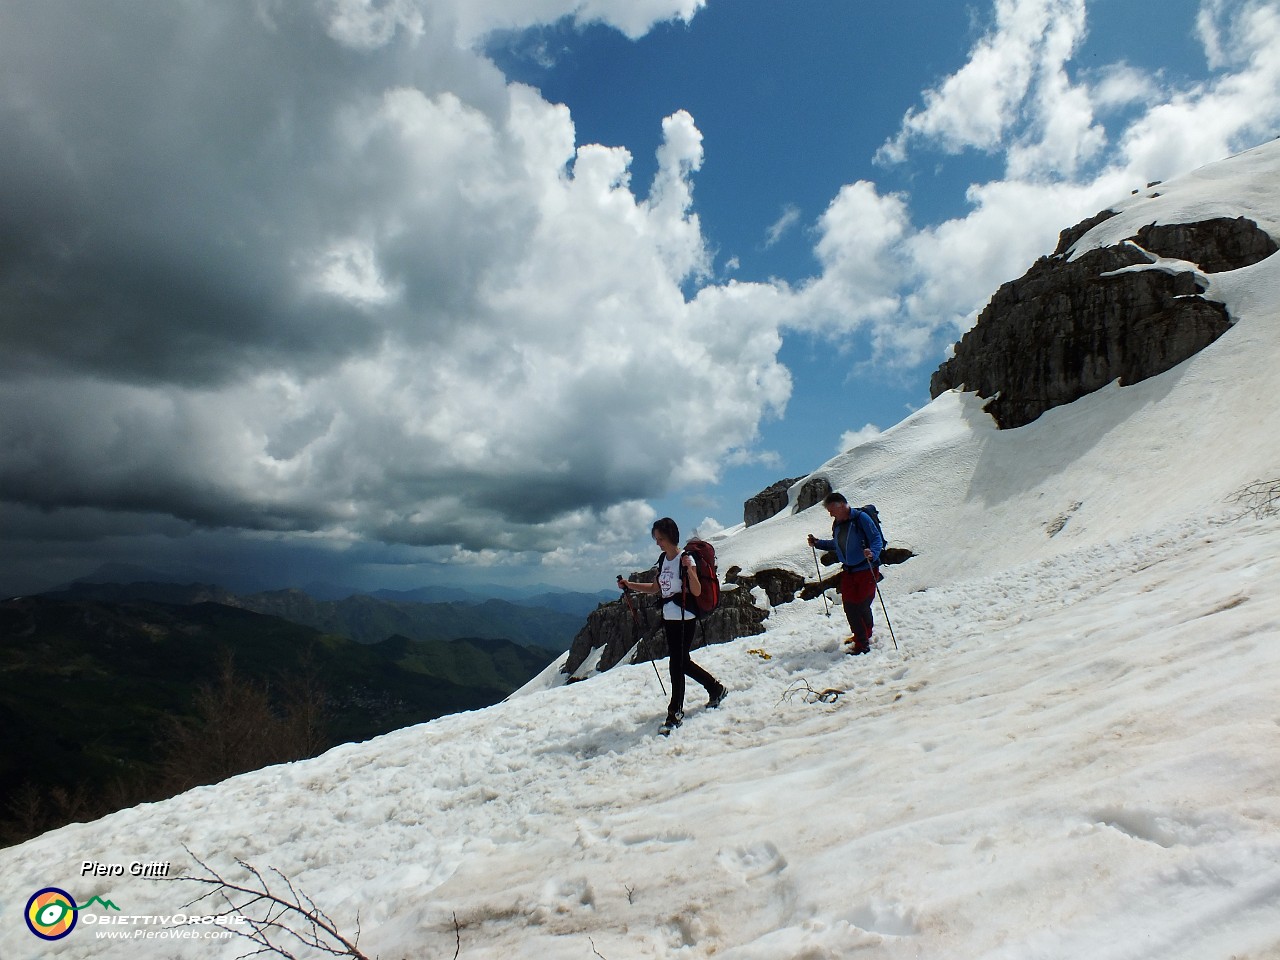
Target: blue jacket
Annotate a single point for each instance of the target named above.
(849, 547)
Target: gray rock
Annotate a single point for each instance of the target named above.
(1215, 246)
(813, 492)
(767, 503)
(780, 586)
(1064, 329)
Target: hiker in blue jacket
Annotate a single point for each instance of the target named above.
(857, 543)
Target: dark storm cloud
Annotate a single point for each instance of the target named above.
(165, 169)
(317, 269)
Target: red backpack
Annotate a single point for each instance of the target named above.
(704, 558)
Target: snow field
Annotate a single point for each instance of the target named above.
(1073, 759)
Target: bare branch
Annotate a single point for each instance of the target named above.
(803, 689)
(297, 916)
(1261, 498)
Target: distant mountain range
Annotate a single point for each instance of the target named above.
(100, 691)
(533, 595)
(562, 601)
(547, 620)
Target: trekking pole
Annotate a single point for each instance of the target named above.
(822, 585)
(626, 596)
(652, 633)
(883, 607)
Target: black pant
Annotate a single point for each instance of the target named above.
(679, 643)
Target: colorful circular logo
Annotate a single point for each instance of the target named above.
(51, 913)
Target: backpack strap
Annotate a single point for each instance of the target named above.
(862, 536)
(872, 565)
(684, 590)
(684, 584)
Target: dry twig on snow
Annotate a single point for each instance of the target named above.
(275, 922)
(1261, 498)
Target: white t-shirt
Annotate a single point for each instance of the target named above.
(669, 585)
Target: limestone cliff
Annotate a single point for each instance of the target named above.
(1072, 325)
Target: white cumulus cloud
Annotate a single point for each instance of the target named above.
(780, 227)
(976, 106)
(855, 438)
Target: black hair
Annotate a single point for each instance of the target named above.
(831, 498)
(667, 527)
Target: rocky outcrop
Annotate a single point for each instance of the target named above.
(813, 492)
(890, 556)
(1069, 237)
(780, 586)
(767, 503)
(773, 500)
(1215, 246)
(1068, 327)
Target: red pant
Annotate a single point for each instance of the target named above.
(857, 586)
(857, 590)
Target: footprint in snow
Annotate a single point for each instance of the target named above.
(754, 862)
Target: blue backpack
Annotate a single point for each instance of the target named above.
(871, 511)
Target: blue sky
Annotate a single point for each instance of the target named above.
(399, 292)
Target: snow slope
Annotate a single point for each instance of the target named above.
(1072, 753)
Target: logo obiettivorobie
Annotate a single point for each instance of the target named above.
(51, 913)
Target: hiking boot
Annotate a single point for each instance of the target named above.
(673, 720)
(860, 647)
(717, 698)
